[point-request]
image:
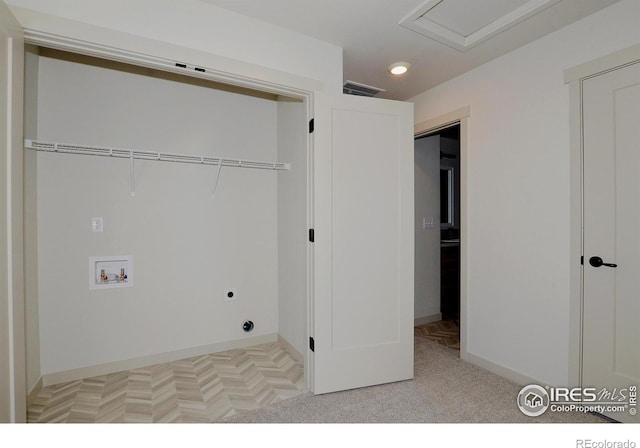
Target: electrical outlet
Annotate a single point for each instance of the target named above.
(96, 225)
(230, 295)
(428, 222)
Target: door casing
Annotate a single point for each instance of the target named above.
(575, 77)
(12, 323)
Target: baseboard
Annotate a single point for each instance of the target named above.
(498, 369)
(295, 354)
(427, 319)
(35, 390)
(144, 361)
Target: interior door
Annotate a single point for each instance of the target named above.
(12, 363)
(611, 333)
(362, 325)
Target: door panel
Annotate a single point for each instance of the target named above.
(611, 334)
(363, 250)
(12, 361)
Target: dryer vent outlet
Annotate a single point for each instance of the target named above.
(230, 295)
(247, 326)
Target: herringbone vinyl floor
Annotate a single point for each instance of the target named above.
(201, 389)
(444, 332)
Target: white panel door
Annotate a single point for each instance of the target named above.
(611, 319)
(12, 363)
(363, 252)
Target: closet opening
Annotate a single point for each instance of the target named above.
(214, 245)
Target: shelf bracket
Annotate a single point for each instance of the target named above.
(132, 173)
(215, 184)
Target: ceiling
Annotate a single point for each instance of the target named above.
(439, 38)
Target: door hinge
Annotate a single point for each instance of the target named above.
(312, 235)
(311, 126)
(312, 345)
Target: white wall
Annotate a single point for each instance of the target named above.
(518, 190)
(427, 241)
(292, 224)
(193, 24)
(187, 246)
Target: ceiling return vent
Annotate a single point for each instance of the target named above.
(355, 88)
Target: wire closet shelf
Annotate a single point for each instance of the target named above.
(133, 154)
(151, 155)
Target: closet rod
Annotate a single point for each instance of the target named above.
(150, 155)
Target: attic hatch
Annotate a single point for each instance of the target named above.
(355, 88)
(463, 24)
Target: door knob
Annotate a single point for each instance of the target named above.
(596, 262)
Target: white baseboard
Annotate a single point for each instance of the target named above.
(143, 361)
(498, 369)
(34, 391)
(427, 319)
(295, 354)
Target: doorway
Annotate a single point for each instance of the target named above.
(437, 235)
(234, 274)
(431, 126)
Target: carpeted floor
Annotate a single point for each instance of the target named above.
(445, 389)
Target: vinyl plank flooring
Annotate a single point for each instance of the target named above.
(443, 332)
(202, 389)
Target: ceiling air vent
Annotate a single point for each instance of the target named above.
(355, 88)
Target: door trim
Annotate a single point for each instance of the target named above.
(12, 318)
(458, 116)
(575, 77)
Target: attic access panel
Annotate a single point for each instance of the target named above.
(463, 24)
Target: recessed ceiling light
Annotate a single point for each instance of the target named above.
(399, 68)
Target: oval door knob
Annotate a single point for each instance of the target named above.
(596, 262)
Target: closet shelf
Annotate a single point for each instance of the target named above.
(150, 155)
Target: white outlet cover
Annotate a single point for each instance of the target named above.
(97, 225)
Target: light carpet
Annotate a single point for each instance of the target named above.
(445, 389)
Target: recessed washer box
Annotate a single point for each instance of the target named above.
(110, 272)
